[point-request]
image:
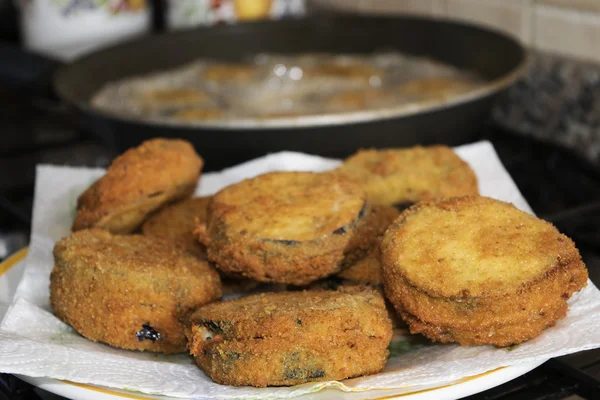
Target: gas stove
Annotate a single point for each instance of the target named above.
(559, 186)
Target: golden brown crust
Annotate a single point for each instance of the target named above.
(398, 176)
(473, 246)
(474, 270)
(298, 206)
(540, 299)
(177, 222)
(366, 270)
(108, 286)
(235, 285)
(137, 183)
(277, 262)
(279, 362)
(336, 282)
(272, 314)
(285, 227)
(281, 339)
(499, 336)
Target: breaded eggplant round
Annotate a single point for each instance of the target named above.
(285, 227)
(401, 176)
(283, 339)
(368, 269)
(335, 282)
(176, 223)
(475, 270)
(131, 292)
(137, 183)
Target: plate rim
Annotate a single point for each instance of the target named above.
(463, 387)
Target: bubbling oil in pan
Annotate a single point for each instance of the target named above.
(271, 86)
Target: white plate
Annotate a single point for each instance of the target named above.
(11, 271)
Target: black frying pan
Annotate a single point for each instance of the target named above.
(498, 58)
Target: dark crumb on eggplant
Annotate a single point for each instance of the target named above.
(303, 373)
(214, 326)
(344, 229)
(279, 227)
(148, 333)
(289, 338)
(332, 282)
(400, 175)
(362, 211)
(316, 373)
(403, 206)
(155, 194)
(340, 231)
(283, 241)
(329, 283)
(294, 369)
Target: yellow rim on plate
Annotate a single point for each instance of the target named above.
(12, 260)
(21, 254)
(106, 391)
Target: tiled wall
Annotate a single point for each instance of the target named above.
(566, 27)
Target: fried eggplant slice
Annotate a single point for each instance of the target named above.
(368, 269)
(137, 183)
(285, 227)
(176, 223)
(401, 176)
(131, 292)
(284, 339)
(475, 270)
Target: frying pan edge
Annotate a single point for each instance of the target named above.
(63, 87)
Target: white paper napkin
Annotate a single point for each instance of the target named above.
(33, 342)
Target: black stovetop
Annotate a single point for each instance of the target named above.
(558, 185)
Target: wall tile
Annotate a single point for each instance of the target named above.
(415, 7)
(511, 16)
(440, 7)
(584, 5)
(570, 32)
(567, 27)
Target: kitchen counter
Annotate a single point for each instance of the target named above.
(557, 101)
